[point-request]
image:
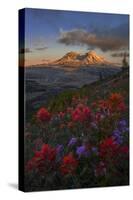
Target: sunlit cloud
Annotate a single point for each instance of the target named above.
(108, 40)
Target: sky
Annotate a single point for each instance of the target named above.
(50, 34)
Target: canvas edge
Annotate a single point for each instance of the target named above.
(21, 35)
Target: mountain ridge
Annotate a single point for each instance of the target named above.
(76, 59)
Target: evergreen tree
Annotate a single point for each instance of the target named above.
(124, 61)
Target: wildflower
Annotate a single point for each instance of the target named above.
(59, 148)
(59, 152)
(48, 152)
(61, 114)
(103, 104)
(43, 115)
(99, 116)
(76, 116)
(81, 114)
(117, 136)
(86, 111)
(42, 159)
(94, 150)
(115, 98)
(82, 151)
(69, 164)
(72, 142)
(122, 107)
(108, 148)
(124, 149)
(122, 125)
(116, 102)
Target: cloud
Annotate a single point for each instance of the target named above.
(25, 50)
(121, 54)
(107, 40)
(41, 48)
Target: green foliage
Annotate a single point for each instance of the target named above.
(90, 170)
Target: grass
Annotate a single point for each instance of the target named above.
(97, 90)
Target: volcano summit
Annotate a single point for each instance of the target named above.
(76, 59)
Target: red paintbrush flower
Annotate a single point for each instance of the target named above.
(61, 114)
(122, 107)
(48, 152)
(116, 103)
(81, 114)
(43, 160)
(43, 115)
(124, 150)
(115, 98)
(69, 164)
(108, 148)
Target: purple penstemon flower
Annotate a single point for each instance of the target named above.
(59, 152)
(122, 123)
(117, 136)
(72, 141)
(116, 132)
(126, 129)
(59, 148)
(82, 151)
(122, 126)
(94, 150)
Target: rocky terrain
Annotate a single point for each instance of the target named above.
(44, 83)
(76, 59)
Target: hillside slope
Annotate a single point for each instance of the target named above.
(97, 90)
